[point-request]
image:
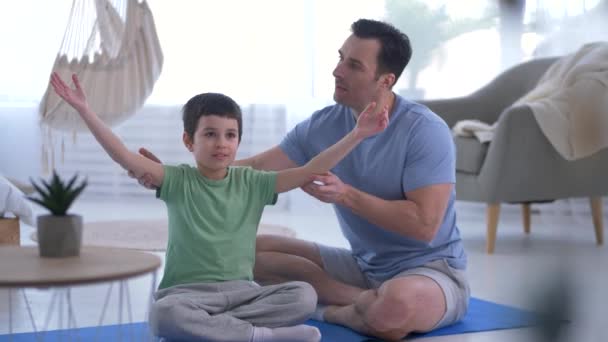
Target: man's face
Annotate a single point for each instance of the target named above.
(357, 83)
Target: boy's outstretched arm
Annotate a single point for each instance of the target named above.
(368, 124)
(104, 135)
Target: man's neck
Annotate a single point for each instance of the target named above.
(387, 99)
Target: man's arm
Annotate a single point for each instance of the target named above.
(104, 135)
(418, 217)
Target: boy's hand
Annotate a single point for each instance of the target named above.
(371, 122)
(74, 97)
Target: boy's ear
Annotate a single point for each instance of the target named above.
(187, 141)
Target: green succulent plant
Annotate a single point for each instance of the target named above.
(56, 195)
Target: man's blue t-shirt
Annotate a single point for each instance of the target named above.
(415, 150)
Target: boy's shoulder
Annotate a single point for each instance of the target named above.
(236, 171)
(180, 169)
(246, 177)
(241, 170)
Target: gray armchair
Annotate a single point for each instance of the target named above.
(519, 165)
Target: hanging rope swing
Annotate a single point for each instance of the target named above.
(113, 47)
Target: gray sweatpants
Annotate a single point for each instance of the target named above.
(228, 311)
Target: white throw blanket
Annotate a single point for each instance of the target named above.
(474, 128)
(13, 201)
(570, 103)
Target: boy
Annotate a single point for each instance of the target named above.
(207, 290)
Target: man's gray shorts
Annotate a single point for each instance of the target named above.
(342, 266)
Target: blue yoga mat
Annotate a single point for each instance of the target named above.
(482, 316)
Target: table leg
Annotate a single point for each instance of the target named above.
(10, 313)
(61, 300)
(29, 312)
(149, 335)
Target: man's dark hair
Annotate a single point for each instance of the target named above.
(395, 49)
(210, 104)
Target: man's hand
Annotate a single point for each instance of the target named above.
(326, 188)
(146, 179)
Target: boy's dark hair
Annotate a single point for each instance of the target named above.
(210, 104)
(395, 49)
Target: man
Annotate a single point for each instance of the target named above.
(394, 197)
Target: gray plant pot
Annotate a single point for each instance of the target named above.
(59, 236)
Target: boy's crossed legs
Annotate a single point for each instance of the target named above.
(235, 311)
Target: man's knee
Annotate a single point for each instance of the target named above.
(264, 270)
(405, 305)
(388, 313)
(265, 260)
(266, 243)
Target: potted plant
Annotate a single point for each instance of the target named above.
(60, 233)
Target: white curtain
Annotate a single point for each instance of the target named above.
(562, 27)
(263, 53)
(267, 51)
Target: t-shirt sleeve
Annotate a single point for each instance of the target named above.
(430, 156)
(294, 143)
(172, 180)
(266, 183)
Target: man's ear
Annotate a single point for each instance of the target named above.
(388, 80)
(187, 141)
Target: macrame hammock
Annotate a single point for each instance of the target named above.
(113, 47)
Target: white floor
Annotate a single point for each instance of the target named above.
(523, 270)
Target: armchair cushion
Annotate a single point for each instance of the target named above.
(470, 154)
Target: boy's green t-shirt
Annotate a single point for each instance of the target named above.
(213, 223)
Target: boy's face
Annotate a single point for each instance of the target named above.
(214, 146)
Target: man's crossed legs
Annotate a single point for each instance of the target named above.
(417, 300)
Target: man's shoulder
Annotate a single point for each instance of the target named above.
(329, 112)
(415, 114)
